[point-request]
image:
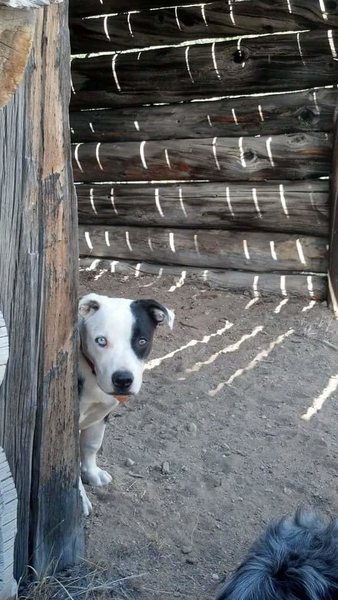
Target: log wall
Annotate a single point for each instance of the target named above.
(206, 128)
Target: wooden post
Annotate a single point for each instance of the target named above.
(38, 293)
(333, 259)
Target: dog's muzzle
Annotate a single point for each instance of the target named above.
(122, 382)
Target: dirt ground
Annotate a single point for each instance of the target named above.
(215, 445)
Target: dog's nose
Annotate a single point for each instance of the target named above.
(122, 380)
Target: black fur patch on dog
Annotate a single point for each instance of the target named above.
(295, 559)
(80, 384)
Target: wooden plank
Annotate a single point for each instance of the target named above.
(96, 7)
(300, 207)
(312, 287)
(333, 258)
(239, 250)
(16, 36)
(38, 273)
(294, 156)
(201, 21)
(305, 13)
(311, 110)
(277, 62)
(4, 347)
(8, 528)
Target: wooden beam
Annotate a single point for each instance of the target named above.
(8, 528)
(305, 13)
(38, 273)
(16, 36)
(207, 70)
(3, 347)
(295, 207)
(201, 21)
(239, 250)
(294, 156)
(311, 110)
(333, 258)
(311, 287)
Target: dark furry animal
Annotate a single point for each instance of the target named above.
(295, 559)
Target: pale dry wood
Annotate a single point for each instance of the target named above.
(4, 347)
(28, 4)
(312, 287)
(8, 530)
(16, 36)
(295, 207)
(38, 273)
(333, 259)
(240, 250)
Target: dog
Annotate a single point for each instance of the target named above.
(295, 559)
(115, 337)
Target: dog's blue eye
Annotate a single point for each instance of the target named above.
(142, 341)
(101, 341)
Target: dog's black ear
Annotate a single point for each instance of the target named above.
(158, 312)
(88, 305)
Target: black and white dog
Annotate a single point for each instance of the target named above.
(295, 559)
(115, 340)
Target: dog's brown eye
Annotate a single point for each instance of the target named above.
(142, 341)
(101, 341)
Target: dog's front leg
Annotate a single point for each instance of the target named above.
(90, 442)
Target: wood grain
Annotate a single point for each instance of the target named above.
(303, 12)
(312, 287)
(38, 271)
(8, 527)
(239, 250)
(333, 203)
(170, 26)
(300, 207)
(211, 70)
(16, 36)
(4, 347)
(293, 156)
(311, 110)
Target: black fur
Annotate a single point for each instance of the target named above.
(80, 384)
(295, 559)
(145, 323)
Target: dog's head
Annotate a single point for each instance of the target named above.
(295, 559)
(116, 337)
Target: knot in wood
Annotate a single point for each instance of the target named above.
(240, 56)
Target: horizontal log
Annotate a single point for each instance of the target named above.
(312, 110)
(201, 21)
(300, 207)
(313, 287)
(97, 7)
(292, 156)
(247, 251)
(280, 63)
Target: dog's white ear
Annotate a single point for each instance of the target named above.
(88, 305)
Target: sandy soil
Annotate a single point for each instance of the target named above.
(215, 444)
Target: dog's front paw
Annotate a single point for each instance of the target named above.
(86, 503)
(97, 477)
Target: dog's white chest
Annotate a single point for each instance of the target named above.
(95, 405)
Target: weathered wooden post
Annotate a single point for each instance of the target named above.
(333, 259)
(38, 291)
